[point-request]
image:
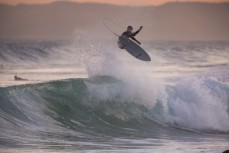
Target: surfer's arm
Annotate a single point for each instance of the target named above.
(135, 40)
(136, 32)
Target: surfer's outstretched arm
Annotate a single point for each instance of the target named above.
(136, 32)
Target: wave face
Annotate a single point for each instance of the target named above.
(100, 109)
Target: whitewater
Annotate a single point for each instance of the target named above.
(90, 96)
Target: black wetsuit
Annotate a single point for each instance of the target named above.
(131, 35)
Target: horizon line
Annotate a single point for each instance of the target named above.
(105, 3)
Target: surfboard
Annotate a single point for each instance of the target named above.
(134, 49)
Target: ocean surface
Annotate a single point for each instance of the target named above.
(90, 96)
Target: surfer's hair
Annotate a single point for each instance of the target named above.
(130, 27)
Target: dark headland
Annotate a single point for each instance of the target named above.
(171, 21)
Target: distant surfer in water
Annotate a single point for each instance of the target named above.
(16, 78)
(129, 34)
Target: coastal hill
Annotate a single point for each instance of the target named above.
(169, 22)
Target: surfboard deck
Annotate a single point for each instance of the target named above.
(134, 49)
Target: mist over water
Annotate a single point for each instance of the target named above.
(109, 100)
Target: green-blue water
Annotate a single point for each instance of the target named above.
(176, 103)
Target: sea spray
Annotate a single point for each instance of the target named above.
(140, 86)
(189, 103)
(199, 103)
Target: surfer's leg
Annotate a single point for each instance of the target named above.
(120, 45)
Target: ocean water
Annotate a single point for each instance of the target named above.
(90, 96)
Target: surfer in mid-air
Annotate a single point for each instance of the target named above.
(127, 40)
(129, 34)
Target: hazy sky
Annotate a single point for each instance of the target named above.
(119, 2)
